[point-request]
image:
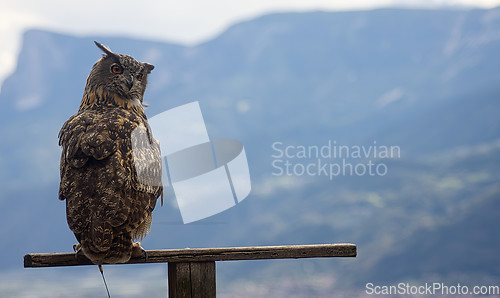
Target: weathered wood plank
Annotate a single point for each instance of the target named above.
(206, 254)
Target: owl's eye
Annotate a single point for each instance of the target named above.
(116, 69)
(140, 76)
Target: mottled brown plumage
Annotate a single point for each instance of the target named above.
(110, 162)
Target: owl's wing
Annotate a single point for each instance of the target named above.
(99, 178)
(93, 135)
(147, 161)
(84, 135)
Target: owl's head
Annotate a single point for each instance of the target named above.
(120, 76)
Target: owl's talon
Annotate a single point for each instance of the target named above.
(77, 247)
(78, 251)
(138, 251)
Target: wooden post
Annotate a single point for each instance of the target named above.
(193, 279)
(191, 272)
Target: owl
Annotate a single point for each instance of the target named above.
(110, 163)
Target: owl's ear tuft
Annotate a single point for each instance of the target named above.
(104, 48)
(148, 67)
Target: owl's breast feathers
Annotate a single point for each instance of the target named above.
(110, 175)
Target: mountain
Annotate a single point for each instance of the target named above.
(424, 81)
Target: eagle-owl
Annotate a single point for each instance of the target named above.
(110, 162)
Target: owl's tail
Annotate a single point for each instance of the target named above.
(119, 251)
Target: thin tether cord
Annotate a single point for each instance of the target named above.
(105, 284)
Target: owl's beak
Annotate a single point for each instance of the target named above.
(130, 82)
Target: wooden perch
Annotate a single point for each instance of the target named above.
(205, 254)
(191, 272)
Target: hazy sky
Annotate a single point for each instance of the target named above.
(183, 21)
